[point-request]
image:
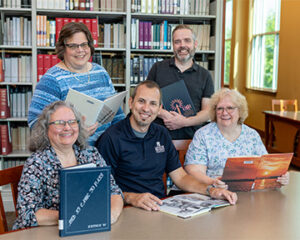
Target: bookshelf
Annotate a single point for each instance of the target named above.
(122, 53)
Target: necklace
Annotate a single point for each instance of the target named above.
(76, 73)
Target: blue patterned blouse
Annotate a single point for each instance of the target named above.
(39, 184)
(211, 149)
(55, 84)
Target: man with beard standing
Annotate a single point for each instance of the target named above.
(197, 80)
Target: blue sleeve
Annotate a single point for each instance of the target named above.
(46, 92)
(107, 150)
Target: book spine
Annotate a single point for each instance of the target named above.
(4, 108)
(6, 146)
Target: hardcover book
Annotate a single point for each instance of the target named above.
(84, 200)
(190, 205)
(255, 172)
(94, 109)
(177, 98)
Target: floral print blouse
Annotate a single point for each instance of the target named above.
(211, 149)
(39, 184)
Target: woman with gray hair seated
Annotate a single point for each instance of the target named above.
(57, 141)
(226, 136)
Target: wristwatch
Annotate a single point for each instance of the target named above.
(208, 188)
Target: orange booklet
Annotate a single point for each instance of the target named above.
(255, 172)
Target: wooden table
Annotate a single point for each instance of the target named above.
(267, 214)
(292, 118)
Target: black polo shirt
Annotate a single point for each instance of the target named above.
(197, 80)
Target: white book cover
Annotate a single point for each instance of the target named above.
(50, 4)
(150, 6)
(94, 109)
(133, 33)
(19, 104)
(190, 205)
(29, 33)
(23, 103)
(116, 35)
(155, 6)
(14, 65)
(25, 32)
(14, 104)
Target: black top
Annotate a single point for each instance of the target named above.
(197, 80)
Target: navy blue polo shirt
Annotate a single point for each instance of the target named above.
(138, 164)
(197, 80)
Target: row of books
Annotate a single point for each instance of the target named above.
(19, 138)
(15, 3)
(147, 35)
(83, 5)
(186, 7)
(16, 68)
(115, 67)
(48, 30)
(111, 35)
(17, 31)
(15, 103)
(140, 67)
(13, 163)
(44, 62)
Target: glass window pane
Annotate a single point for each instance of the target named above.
(227, 61)
(228, 19)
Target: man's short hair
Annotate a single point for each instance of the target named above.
(183, 26)
(148, 84)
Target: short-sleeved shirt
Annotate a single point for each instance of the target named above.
(138, 164)
(55, 84)
(211, 149)
(197, 80)
(39, 184)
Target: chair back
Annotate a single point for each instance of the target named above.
(284, 104)
(9, 176)
(182, 147)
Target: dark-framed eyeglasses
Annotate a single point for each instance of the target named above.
(75, 46)
(229, 109)
(60, 124)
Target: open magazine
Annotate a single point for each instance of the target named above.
(255, 172)
(190, 205)
(94, 109)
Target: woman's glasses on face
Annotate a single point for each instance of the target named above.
(75, 46)
(229, 109)
(60, 124)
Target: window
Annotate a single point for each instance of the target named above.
(265, 44)
(227, 41)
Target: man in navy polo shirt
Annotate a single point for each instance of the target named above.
(140, 152)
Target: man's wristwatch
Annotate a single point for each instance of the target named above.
(208, 188)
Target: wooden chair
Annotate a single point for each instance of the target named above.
(284, 104)
(9, 176)
(181, 147)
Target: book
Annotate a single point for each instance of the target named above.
(176, 98)
(190, 205)
(255, 172)
(84, 200)
(94, 109)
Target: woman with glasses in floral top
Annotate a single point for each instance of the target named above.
(58, 140)
(226, 136)
(74, 48)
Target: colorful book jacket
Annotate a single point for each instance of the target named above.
(255, 172)
(84, 200)
(177, 98)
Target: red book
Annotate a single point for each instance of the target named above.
(4, 109)
(95, 31)
(6, 147)
(141, 35)
(47, 62)
(81, 4)
(73, 19)
(1, 71)
(54, 60)
(40, 66)
(88, 23)
(59, 25)
(80, 20)
(66, 20)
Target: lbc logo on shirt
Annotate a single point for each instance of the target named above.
(159, 148)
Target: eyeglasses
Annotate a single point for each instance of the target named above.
(74, 46)
(229, 109)
(60, 124)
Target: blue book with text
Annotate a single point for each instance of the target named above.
(175, 97)
(84, 200)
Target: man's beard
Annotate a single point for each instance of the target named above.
(191, 54)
